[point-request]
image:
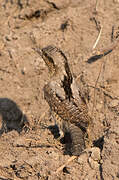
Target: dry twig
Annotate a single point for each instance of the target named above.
(94, 102)
(96, 5)
(94, 46)
(62, 167)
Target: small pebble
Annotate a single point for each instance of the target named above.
(82, 158)
(95, 155)
(114, 103)
(93, 164)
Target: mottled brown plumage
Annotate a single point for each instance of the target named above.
(65, 99)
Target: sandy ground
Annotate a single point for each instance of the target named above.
(72, 26)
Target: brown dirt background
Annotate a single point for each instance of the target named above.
(35, 154)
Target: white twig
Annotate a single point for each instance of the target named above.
(94, 46)
(96, 5)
